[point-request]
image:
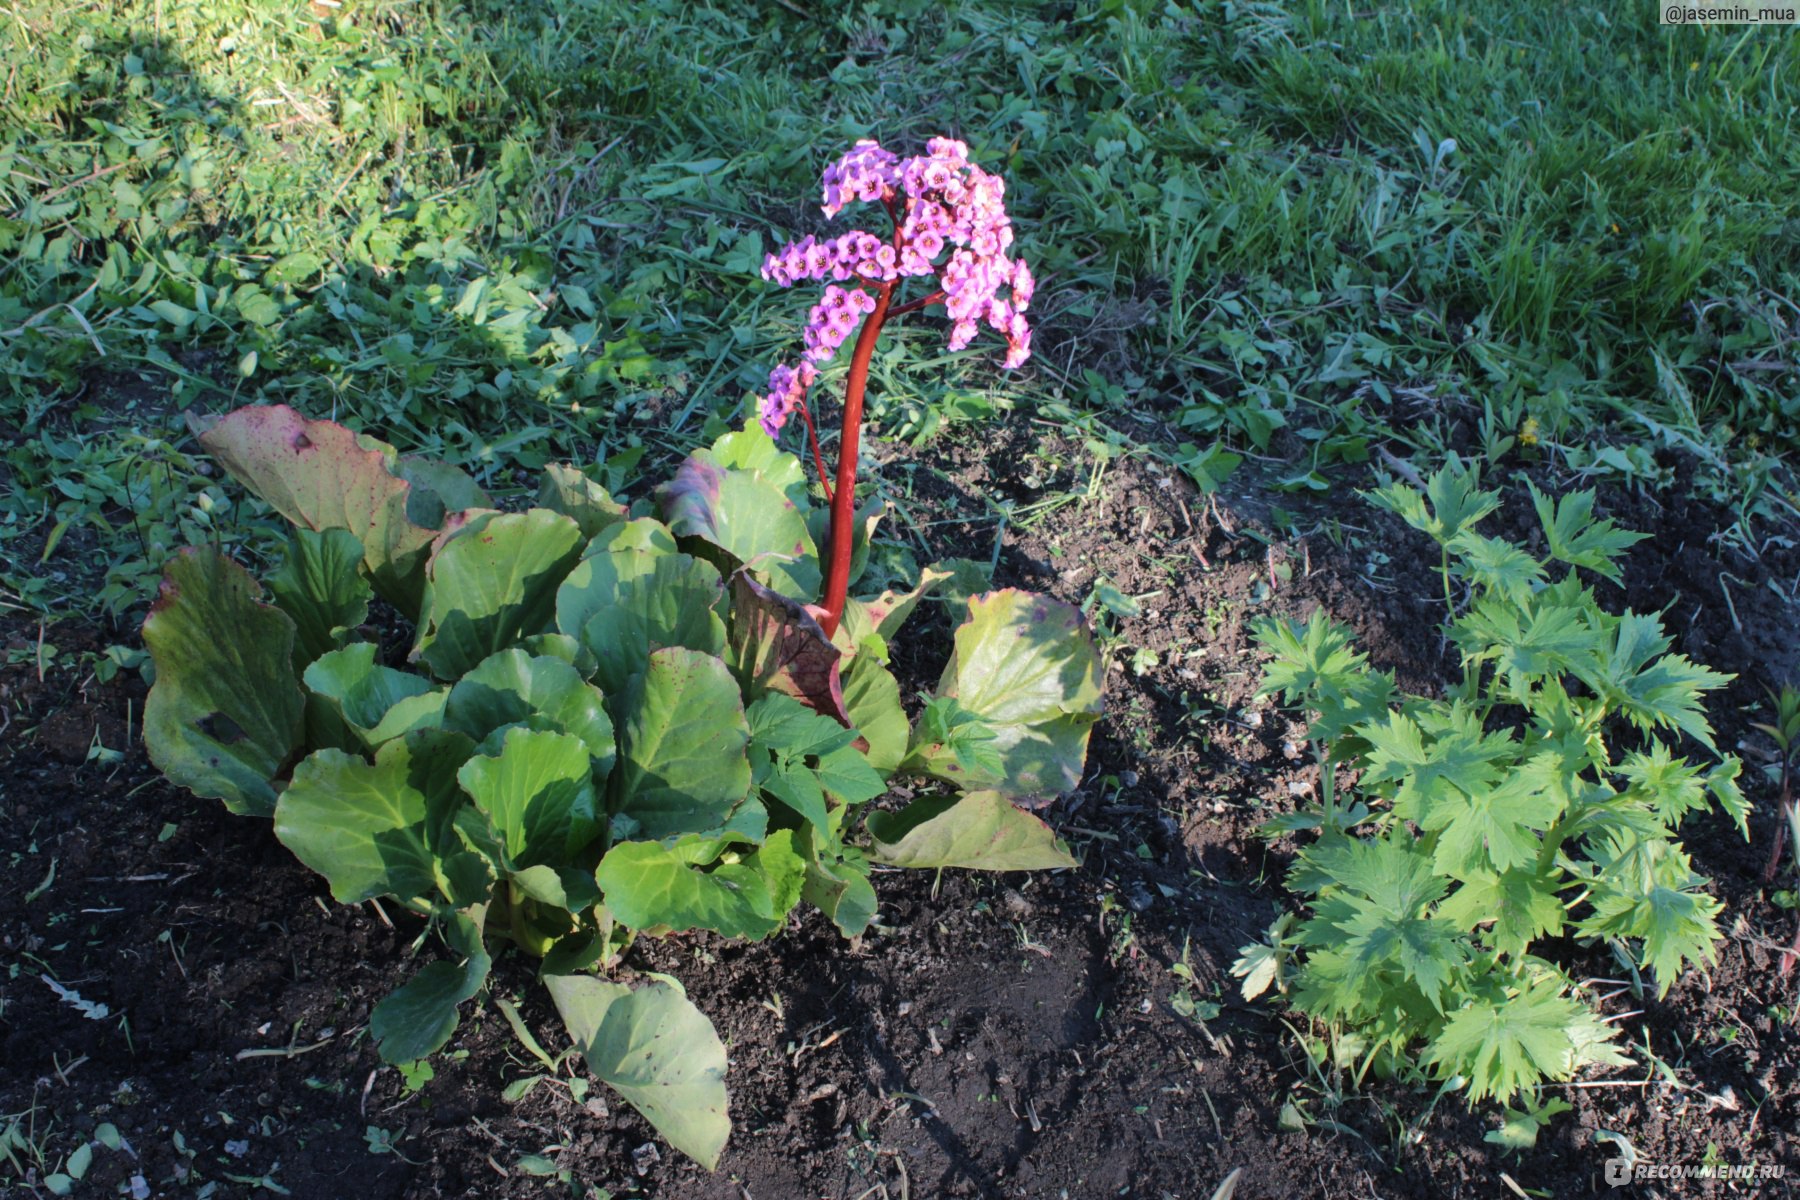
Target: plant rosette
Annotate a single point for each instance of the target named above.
(609, 722)
(1538, 800)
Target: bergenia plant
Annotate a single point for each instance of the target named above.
(949, 224)
(602, 721)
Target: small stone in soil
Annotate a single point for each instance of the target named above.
(1138, 898)
(645, 1157)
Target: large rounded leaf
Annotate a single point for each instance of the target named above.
(872, 698)
(320, 585)
(653, 1047)
(369, 827)
(624, 603)
(541, 692)
(566, 490)
(225, 715)
(649, 885)
(1026, 665)
(491, 584)
(682, 762)
(748, 499)
(377, 702)
(983, 831)
(538, 796)
(320, 475)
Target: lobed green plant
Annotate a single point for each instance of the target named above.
(606, 721)
(1538, 799)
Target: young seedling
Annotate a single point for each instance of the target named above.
(1540, 798)
(1785, 732)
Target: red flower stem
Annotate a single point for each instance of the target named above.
(818, 458)
(843, 500)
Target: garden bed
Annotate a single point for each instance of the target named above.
(1004, 1036)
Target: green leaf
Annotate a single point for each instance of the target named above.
(648, 885)
(378, 702)
(654, 1048)
(515, 688)
(320, 475)
(882, 616)
(1496, 565)
(438, 490)
(566, 490)
(624, 603)
(847, 775)
(842, 891)
(491, 583)
(1519, 1128)
(320, 585)
(778, 646)
(1318, 665)
(749, 501)
(1026, 665)
(1576, 538)
(538, 795)
(682, 740)
(872, 698)
(375, 830)
(1630, 671)
(225, 716)
(419, 1017)
(983, 831)
(1521, 905)
(1452, 502)
(1677, 925)
(1511, 1040)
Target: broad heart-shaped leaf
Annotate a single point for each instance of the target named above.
(566, 490)
(368, 828)
(225, 715)
(682, 738)
(377, 702)
(872, 698)
(1027, 666)
(515, 688)
(648, 885)
(778, 646)
(320, 475)
(491, 584)
(984, 831)
(653, 1047)
(417, 1019)
(749, 500)
(622, 604)
(538, 796)
(320, 585)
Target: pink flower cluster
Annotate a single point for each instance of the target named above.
(787, 388)
(856, 255)
(867, 173)
(950, 205)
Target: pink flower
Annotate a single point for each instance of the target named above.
(787, 388)
(948, 204)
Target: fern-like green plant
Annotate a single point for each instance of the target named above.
(1539, 798)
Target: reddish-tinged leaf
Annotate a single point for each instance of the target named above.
(320, 475)
(778, 645)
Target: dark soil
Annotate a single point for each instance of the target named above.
(1012, 1036)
